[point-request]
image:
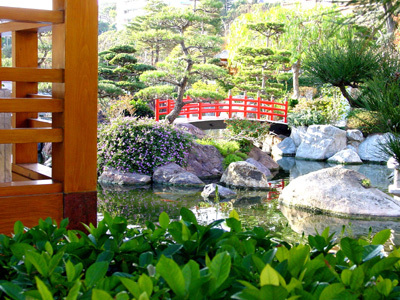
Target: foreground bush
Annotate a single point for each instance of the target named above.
(186, 260)
(140, 145)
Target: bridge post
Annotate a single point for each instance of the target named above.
(157, 110)
(286, 109)
(216, 108)
(258, 107)
(230, 105)
(273, 112)
(200, 110)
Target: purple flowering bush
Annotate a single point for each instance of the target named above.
(140, 145)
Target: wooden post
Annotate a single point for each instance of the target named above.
(24, 54)
(75, 158)
(157, 110)
(230, 104)
(258, 106)
(286, 110)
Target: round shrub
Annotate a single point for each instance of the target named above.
(230, 159)
(366, 121)
(140, 145)
(142, 109)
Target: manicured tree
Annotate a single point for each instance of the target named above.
(194, 34)
(119, 72)
(343, 65)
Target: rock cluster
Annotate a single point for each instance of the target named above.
(327, 142)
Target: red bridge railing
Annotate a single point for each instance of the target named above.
(228, 108)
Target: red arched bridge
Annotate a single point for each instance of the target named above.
(214, 111)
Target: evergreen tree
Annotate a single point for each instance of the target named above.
(193, 34)
(119, 72)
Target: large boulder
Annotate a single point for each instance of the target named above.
(172, 174)
(209, 192)
(244, 175)
(321, 142)
(297, 134)
(259, 166)
(354, 135)
(191, 129)
(204, 161)
(285, 148)
(263, 158)
(369, 149)
(347, 157)
(341, 192)
(113, 176)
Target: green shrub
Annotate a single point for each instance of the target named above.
(142, 109)
(186, 260)
(391, 146)
(246, 129)
(140, 145)
(366, 121)
(230, 158)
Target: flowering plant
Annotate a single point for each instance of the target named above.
(140, 145)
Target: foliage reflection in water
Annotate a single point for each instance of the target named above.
(255, 208)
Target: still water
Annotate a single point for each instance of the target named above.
(255, 208)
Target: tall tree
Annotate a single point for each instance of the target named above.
(303, 28)
(194, 35)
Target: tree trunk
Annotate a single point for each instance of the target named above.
(296, 73)
(390, 23)
(349, 98)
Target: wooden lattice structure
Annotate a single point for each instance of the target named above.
(68, 189)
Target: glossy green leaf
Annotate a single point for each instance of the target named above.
(298, 257)
(372, 251)
(220, 268)
(273, 292)
(233, 214)
(131, 286)
(12, 290)
(234, 224)
(357, 278)
(18, 228)
(172, 274)
(145, 259)
(145, 284)
(188, 216)
(101, 295)
(105, 256)
(384, 264)
(331, 291)
(269, 276)
(95, 273)
(70, 270)
(43, 290)
(122, 296)
(143, 296)
(74, 291)
(381, 237)
(352, 250)
(163, 219)
(19, 249)
(39, 262)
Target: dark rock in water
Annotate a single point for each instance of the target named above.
(259, 166)
(339, 191)
(263, 158)
(175, 175)
(113, 176)
(223, 192)
(245, 175)
(279, 128)
(204, 161)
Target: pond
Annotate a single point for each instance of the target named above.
(255, 208)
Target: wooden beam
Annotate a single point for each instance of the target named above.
(31, 74)
(39, 123)
(29, 209)
(32, 171)
(31, 15)
(23, 135)
(30, 105)
(30, 187)
(16, 26)
(39, 96)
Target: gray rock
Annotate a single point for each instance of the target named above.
(113, 176)
(263, 158)
(259, 166)
(191, 129)
(268, 141)
(353, 145)
(392, 163)
(321, 142)
(204, 161)
(338, 191)
(173, 174)
(286, 162)
(245, 175)
(346, 156)
(354, 135)
(298, 134)
(284, 148)
(369, 149)
(223, 192)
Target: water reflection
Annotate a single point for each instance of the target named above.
(256, 208)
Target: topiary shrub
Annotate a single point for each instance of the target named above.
(142, 109)
(366, 121)
(140, 145)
